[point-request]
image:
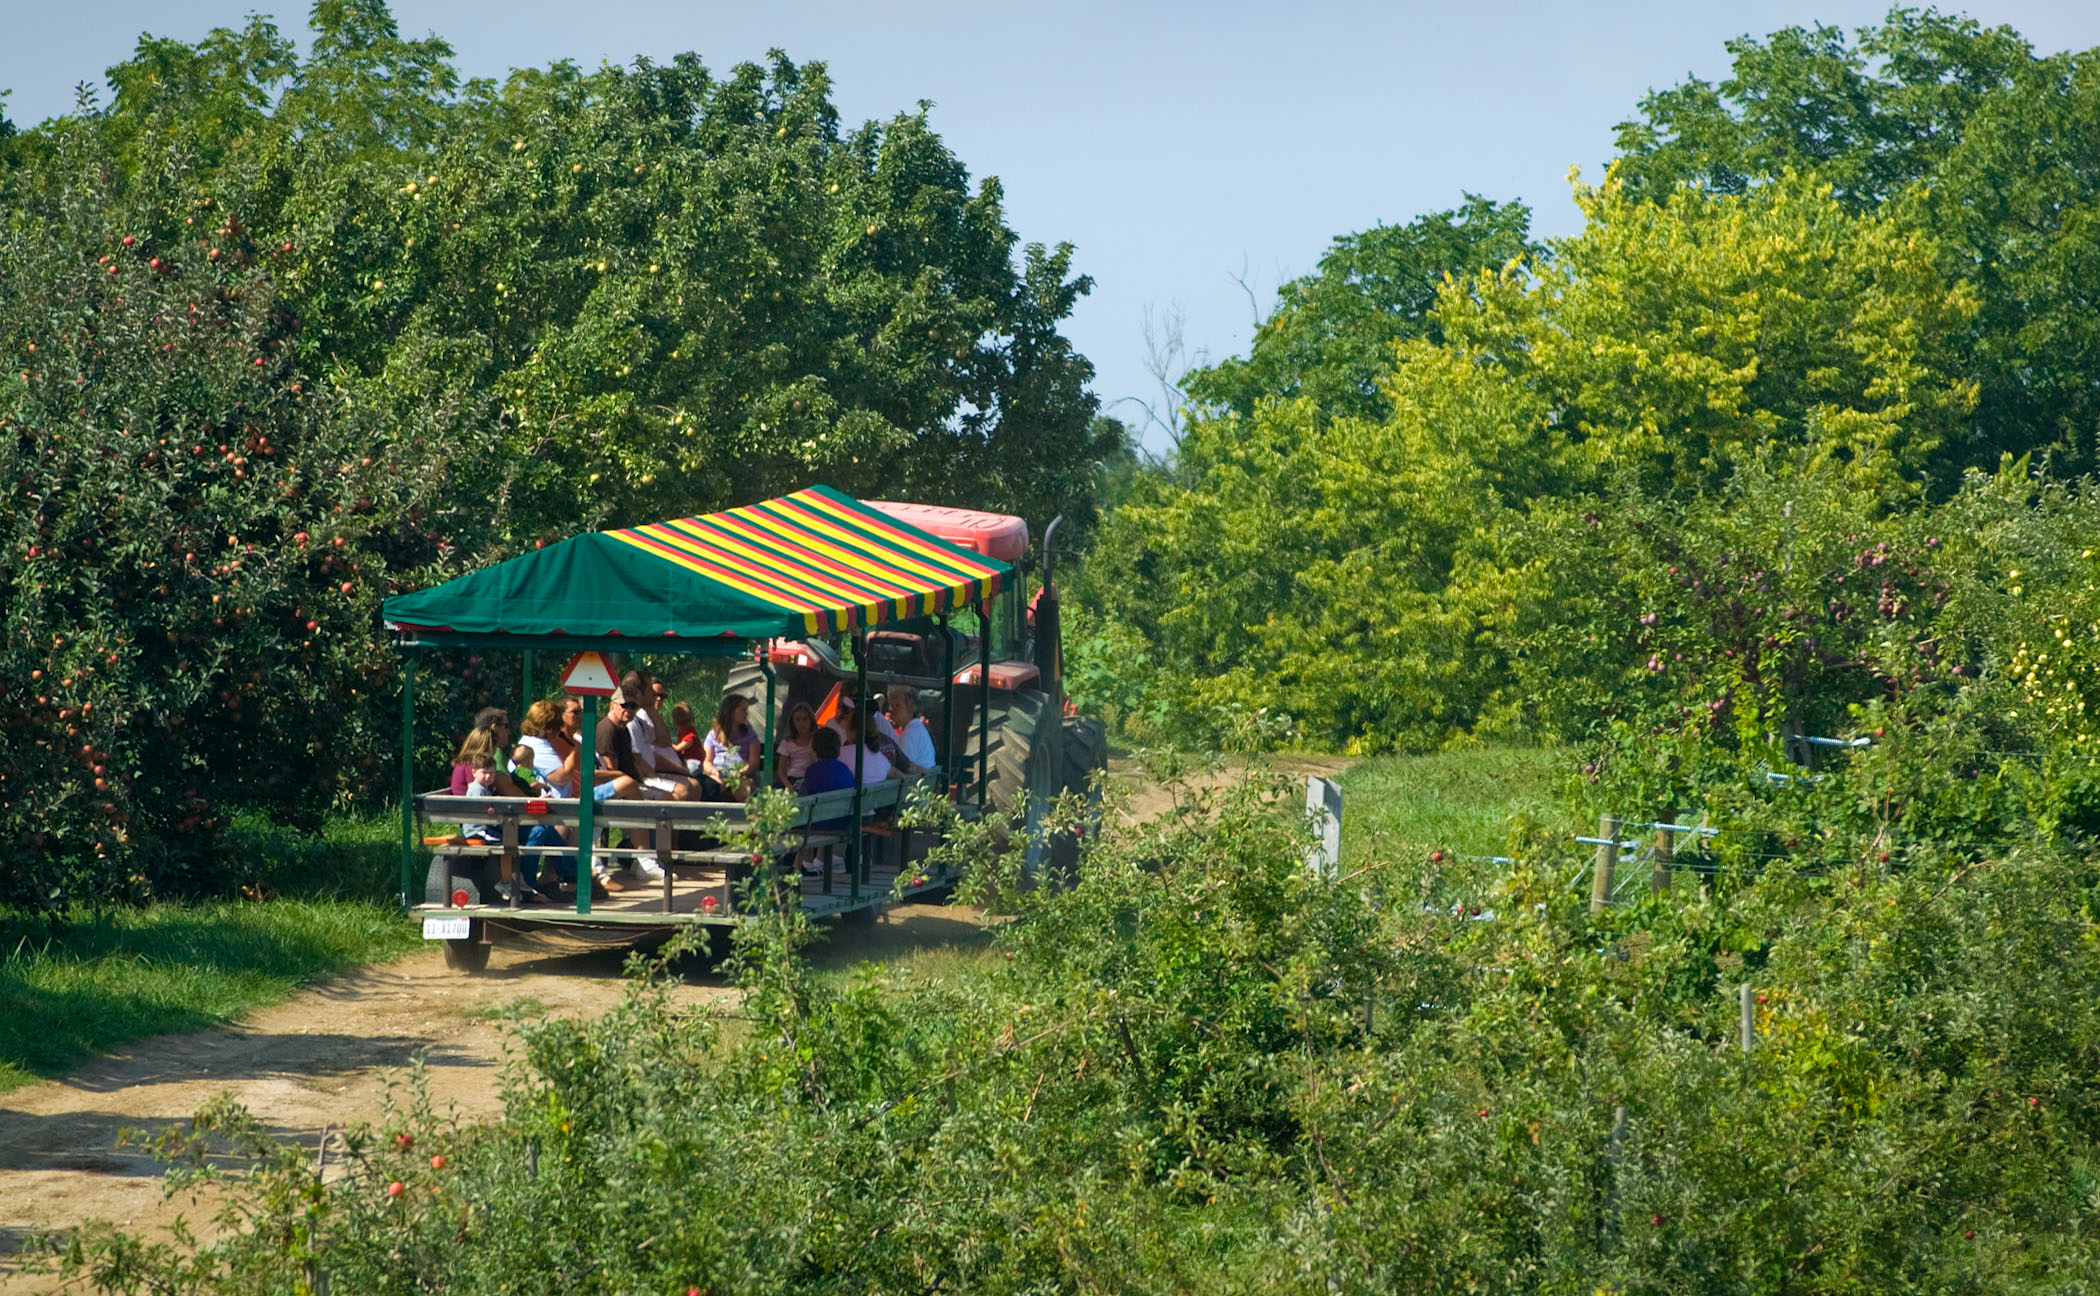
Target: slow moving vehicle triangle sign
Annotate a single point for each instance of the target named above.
(589, 673)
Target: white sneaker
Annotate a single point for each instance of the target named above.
(647, 869)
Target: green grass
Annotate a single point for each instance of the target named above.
(1462, 802)
(70, 991)
(81, 983)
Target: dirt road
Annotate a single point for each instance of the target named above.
(326, 1056)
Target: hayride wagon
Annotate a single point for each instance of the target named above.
(799, 594)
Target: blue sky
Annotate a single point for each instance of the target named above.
(1182, 148)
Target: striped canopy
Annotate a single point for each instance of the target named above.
(809, 563)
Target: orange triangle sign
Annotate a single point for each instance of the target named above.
(589, 673)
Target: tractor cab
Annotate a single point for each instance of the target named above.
(912, 651)
(1001, 664)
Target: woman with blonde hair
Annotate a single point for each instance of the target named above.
(480, 760)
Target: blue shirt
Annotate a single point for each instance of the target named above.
(832, 775)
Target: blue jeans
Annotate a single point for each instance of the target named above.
(563, 866)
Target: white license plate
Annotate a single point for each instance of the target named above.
(447, 928)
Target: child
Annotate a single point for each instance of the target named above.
(689, 743)
(482, 783)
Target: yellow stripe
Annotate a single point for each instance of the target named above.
(692, 556)
(957, 560)
(941, 579)
(809, 536)
(866, 582)
(729, 542)
(808, 610)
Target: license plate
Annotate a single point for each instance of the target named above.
(447, 928)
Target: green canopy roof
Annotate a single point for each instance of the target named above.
(809, 563)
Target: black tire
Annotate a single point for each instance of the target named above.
(1084, 754)
(474, 874)
(469, 955)
(1016, 719)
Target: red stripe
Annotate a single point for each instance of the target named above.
(871, 586)
(713, 568)
(876, 520)
(781, 585)
(806, 515)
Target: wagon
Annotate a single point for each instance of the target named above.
(765, 587)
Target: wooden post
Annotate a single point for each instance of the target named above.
(1665, 854)
(1749, 1023)
(1607, 859)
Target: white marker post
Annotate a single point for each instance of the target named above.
(1323, 805)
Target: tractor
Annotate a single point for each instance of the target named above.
(1036, 741)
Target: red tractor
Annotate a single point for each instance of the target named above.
(1036, 740)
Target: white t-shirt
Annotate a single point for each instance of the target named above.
(878, 764)
(916, 742)
(642, 733)
(545, 761)
(480, 831)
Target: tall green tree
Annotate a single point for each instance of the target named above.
(1965, 132)
(1331, 334)
(672, 290)
(199, 533)
(1348, 572)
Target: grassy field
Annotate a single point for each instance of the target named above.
(1462, 802)
(88, 982)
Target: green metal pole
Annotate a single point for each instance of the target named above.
(947, 752)
(587, 803)
(860, 760)
(984, 707)
(765, 773)
(524, 693)
(408, 780)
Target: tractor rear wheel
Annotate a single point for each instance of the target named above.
(1085, 752)
(1016, 718)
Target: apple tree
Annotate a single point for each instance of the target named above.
(200, 531)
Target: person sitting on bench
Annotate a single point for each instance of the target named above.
(826, 773)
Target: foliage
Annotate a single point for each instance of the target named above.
(1352, 572)
(668, 291)
(1972, 139)
(1331, 335)
(1203, 1066)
